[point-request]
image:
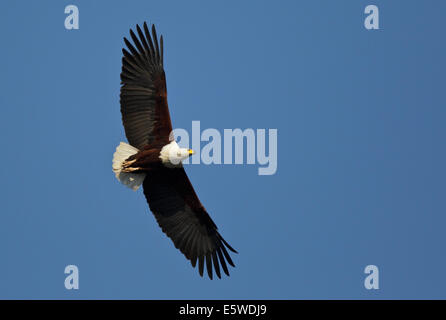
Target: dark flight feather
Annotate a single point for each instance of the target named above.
(144, 108)
(183, 218)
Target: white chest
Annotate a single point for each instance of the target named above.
(171, 155)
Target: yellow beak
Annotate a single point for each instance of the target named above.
(191, 152)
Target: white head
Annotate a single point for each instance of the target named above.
(172, 155)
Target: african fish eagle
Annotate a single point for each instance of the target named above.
(153, 158)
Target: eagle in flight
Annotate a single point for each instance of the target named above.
(153, 159)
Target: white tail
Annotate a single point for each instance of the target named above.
(131, 180)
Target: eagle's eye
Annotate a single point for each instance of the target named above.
(178, 154)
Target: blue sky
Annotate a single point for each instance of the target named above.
(360, 117)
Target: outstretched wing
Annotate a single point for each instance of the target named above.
(144, 109)
(183, 218)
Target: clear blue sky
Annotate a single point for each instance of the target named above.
(361, 130)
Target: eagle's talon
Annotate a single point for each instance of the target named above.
(127, 164)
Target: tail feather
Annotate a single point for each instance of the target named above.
(131, 180)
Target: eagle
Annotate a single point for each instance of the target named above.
(153, 159)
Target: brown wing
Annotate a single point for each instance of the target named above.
(183, 218)
(144, 109)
